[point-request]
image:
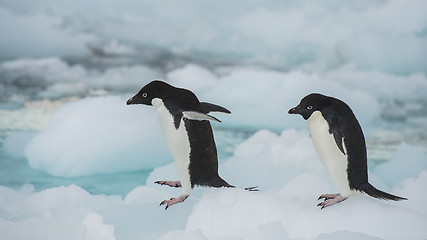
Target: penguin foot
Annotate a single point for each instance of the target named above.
(328, 196)
(330, 199)
(176, 184)
(252, 189)
(173, 201)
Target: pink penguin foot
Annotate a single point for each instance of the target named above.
(330, 199)
(328, 196)
(176, 184)
(173, 201)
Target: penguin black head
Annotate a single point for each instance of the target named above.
(154, 89)
(309, 104)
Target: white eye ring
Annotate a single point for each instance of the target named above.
(309, 107)
(144, 94)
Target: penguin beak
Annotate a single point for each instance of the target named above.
(130, 101)
(295, 110)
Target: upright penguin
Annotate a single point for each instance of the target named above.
(340, 146)
(185, 125)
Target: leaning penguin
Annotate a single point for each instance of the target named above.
(185, 125)
(340, 146)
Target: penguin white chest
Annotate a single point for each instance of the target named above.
(177, 142)
(331, 157)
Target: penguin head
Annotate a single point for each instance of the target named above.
(309, 104)
(154, 89)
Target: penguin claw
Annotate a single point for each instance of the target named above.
(173, 201)
(164, 202)
(323, 205)
(330, 199)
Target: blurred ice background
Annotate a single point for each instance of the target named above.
(77, 163)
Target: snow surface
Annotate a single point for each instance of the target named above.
(289, 177)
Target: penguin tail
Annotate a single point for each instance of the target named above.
(219, 182)
(373, 192)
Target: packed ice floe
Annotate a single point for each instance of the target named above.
(290, 179)
(53, 78)
(247, 87)
(385, 35)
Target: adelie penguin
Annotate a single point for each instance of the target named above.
(185, 125)
(340, 146)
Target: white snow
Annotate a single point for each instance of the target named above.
(96, 229)
(284, 208)
(98, 135)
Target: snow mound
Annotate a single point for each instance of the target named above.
(284, 208)
(98, 135)
(96, 229)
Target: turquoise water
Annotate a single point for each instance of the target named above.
(15, 172)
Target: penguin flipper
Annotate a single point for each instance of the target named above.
(209, 107)
(336, 128)
(339, 139)
(373, 192)
(192, 115)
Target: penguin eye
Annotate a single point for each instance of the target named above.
(309, 107)
(144, 95)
